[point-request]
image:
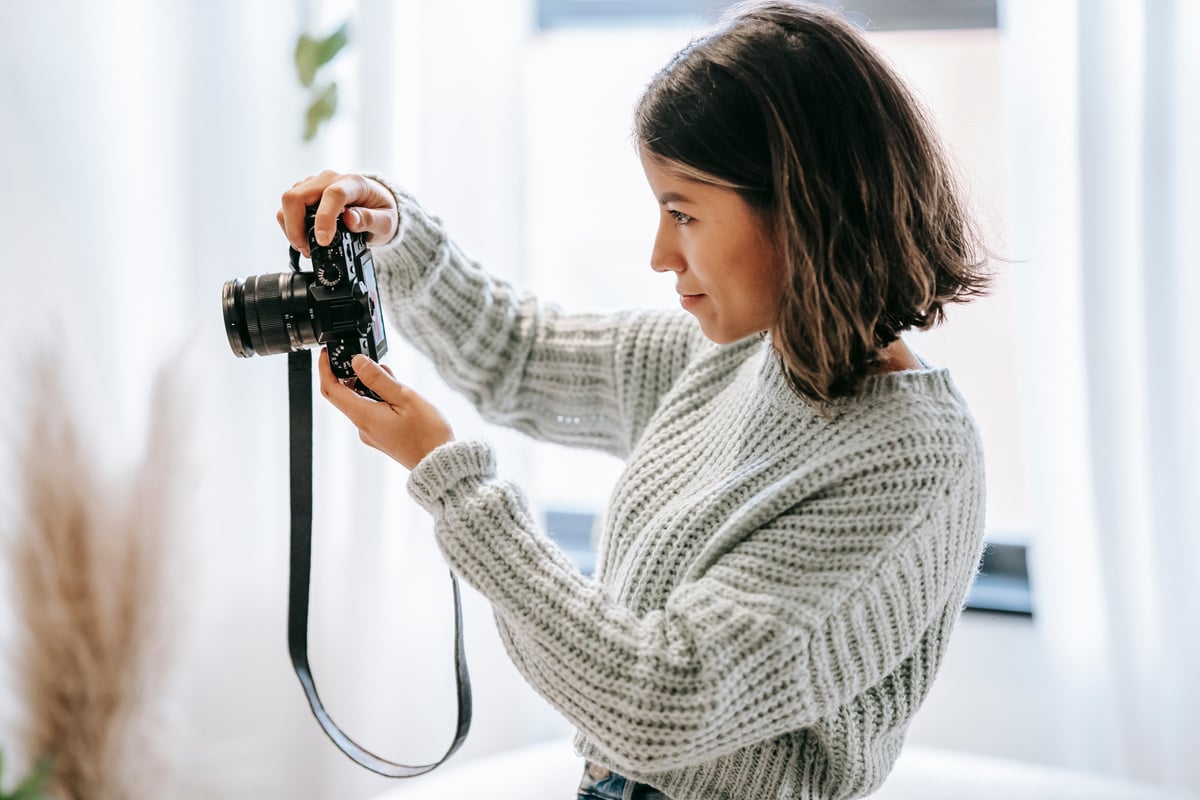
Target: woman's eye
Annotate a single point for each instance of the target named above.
(679, 217)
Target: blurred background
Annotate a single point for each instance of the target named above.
(144, 146)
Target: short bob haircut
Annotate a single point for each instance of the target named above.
(788, 105)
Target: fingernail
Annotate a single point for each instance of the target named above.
(359, 360)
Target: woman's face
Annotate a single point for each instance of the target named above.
(726, 270)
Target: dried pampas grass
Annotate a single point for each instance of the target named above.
(90, 560)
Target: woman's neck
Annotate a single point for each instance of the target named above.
(896, 357)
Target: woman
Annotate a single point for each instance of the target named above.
(802, 507)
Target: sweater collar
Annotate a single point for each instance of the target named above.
(929, 380)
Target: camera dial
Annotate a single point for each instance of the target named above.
(330, 274)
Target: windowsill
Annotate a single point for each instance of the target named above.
(1000, 587)
(1002, 584)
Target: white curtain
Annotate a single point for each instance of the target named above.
(143, 149)
(1105, 101)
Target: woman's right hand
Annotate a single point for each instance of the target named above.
(366, 206)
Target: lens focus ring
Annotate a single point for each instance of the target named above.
(266, 321)
(269, 314)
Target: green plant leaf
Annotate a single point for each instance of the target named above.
(312, 54)
(306, 59)
(332, 44)
(34, 786)
(320, 110)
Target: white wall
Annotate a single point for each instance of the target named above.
(992, 693)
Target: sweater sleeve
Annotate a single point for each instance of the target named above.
(585, 379)
(795, 617)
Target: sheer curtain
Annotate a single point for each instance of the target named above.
(144, 147)
(143, 150)
(1106, 188)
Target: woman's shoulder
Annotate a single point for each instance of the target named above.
(911, 417)
(905, 417)
(924, 394)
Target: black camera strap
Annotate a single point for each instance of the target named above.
(300, 400)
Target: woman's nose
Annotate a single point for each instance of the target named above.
(665, 256)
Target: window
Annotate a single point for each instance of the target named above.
(876, 15)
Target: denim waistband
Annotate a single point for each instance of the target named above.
(601, 783)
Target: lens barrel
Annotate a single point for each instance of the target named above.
(266, 314)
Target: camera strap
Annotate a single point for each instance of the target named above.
(300, 393)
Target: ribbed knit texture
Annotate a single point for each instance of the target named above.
(775, 587)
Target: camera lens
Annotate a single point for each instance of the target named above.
(267, 314)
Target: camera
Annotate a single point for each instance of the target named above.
(335, 305)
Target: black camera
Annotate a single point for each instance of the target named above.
(336, 304)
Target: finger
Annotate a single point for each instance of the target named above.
(294, 205)
(378, 379)
(384, 216)
(378, 224)
(342, 191)
(356, 407)
(295, 202)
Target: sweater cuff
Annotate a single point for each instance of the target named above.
(449, 467)
(411, 260)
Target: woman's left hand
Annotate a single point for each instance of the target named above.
(404, 425)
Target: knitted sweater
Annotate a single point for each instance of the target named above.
(775, 587)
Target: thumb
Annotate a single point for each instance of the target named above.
(372, 375)
(365, 368)
(378, 224)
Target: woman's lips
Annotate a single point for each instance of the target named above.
(689, 301)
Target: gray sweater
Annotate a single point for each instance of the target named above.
(775, 587)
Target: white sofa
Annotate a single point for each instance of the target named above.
(551, 771)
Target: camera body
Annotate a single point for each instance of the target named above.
(335, 305)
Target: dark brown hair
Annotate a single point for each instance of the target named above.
(790, 106)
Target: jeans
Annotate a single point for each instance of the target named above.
(601, 784)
